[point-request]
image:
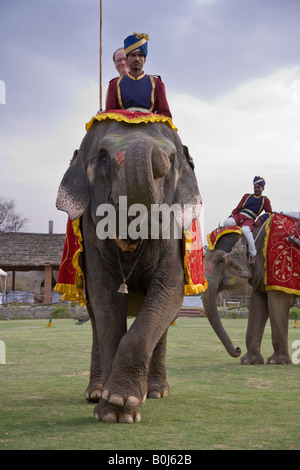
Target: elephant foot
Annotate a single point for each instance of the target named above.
(281, 359)
(121, 400)
(128, 392)
(251, 359)
(109, 413)
(93, 391)
(158, 390)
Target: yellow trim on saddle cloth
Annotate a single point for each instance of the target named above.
(120, 117)
(74, 293)
(228, 230)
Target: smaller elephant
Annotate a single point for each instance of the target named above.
(226, 267)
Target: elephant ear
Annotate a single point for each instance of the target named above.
(236, 260)
(188, 157)
(73, 194)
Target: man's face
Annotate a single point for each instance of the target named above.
(136, 61)
(121, 63)
(258, 190)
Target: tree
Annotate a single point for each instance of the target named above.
(10, 219)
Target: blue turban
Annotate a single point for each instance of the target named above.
(259, 180)
(136, 41)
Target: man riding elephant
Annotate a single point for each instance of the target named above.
(246, 212)
(137, 89)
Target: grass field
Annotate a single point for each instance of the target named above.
(215, 402)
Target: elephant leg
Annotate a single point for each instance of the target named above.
(127, 384)
(257, 319)
(110, 316)
(279, 306)
(158, 386)
(134, 355)
(94, 388)
(108, 312)
(109, 327)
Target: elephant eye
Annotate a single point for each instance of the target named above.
(172, 157)
(103, 160)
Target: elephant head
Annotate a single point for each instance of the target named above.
(225, 268)
(147, 164)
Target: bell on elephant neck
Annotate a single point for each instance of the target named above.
(123, 288)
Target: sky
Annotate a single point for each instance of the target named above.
(231, 69)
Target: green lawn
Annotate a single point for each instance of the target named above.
(215, 402)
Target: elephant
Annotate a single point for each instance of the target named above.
(226, 267)
(147, 166)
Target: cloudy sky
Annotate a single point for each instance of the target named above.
(232, 74)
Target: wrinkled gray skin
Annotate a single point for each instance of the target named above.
(129, 365)
(226, 268)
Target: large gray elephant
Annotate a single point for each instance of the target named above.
(226, 267)
(141, 164)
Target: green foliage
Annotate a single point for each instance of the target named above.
(294, 313)
(215, 402)
(61, 312)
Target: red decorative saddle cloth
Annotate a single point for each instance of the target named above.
(282, 257)
(195, 282)
(70, 275)
(214, 236)
(70, 279)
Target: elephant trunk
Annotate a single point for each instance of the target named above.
(210, 307)
(146, 163)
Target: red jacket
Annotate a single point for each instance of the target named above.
(249, 208)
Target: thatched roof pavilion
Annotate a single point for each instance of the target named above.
(20, 251)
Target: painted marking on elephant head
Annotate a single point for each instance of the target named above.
(120, 157)
(116, 146)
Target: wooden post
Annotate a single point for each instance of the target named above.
(47, 284)
(13, 280)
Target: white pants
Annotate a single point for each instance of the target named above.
(246, 232)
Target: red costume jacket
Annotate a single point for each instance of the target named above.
(146, 91)
(249, 208)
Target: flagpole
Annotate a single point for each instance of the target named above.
(100, 60)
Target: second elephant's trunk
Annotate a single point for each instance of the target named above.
(209, 299)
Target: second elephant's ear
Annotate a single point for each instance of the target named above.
(236, 260)
(73, 194)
